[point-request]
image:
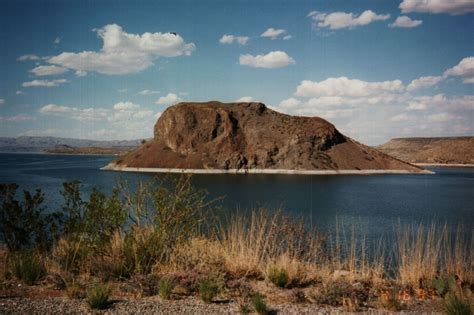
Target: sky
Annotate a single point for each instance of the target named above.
(106, 70)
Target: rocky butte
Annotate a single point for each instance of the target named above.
(215, 137)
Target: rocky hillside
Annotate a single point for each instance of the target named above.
(215, 135)
(66, 149)
(448, 150)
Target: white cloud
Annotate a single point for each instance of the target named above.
(80, 73)
(81, 114)
(442, 117)
(122, 90)
(340, 20)
(57, 40)
(126, 106)
(289, 103)
(274, 59)
(273, 33)
(28, 58)
(16, 118)
(2, 101)
(44, 83)
(44, 132)
(453, 7)
(229, 39)
(287, 37)
(343, 86)
(424, 82)
(417, 105)
(169, 99)
(401, 117)
(124, 53)
(19, 92)
(48, 70)
(148, 92)
(245, 99)
(465, 69)
(405, 22)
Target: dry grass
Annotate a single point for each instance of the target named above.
(426, 253)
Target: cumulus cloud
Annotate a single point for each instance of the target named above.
(344, 86)
(124, 53)
(148, 92)
(289, 103)
(405, 22)
(287, 37)
(442, 117)
(464, 69)
(81, 114)
(423, 82)
(2, 101)
(19, 92)
(29, 57)
(245, 99)
(274, 59)
(57, 40)
(48, 70)
(453, 7)
(44, 83)
(340, 20)
(229, 39)
(126, 106)
(273, 33)
(169, 99)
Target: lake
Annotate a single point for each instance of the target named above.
(374, 202)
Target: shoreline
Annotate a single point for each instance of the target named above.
(257, 171)
(443, 165)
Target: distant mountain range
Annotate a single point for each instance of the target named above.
(42, 144)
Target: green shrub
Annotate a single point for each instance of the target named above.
(259, 304)
(208, 289)
(27, 267)
(455, 304)
(278, 276)
(98, 296)
(165, 286)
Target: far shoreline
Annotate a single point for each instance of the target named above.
(258, 171)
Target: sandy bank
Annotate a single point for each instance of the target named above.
(257, 171)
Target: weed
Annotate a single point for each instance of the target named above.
(455, 304)
(259, 304)
(278, 276)
(208, 289)
(165, 287)
(27, 267)
(98, 296)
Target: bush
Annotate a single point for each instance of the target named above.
(455, 304)
(278, 276)
(98, 296)
(208, 289)
(259, 304)
(165, 286)
(74, 290)
(27, 267)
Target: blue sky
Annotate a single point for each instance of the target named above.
(107, 69)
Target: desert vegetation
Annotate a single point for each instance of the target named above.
(165, 238)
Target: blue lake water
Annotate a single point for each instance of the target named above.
(375, 202)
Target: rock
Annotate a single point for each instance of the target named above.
(216, 135)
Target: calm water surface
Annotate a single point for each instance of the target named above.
(377, 202)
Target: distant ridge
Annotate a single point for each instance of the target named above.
(434, 150)
(34, 144)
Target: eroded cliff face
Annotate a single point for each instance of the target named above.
(215, 135)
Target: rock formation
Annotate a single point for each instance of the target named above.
(216, 135)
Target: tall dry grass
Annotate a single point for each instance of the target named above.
(424, 253)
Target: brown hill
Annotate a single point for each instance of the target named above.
(215, 135)
(66, 149)
(448, 150)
